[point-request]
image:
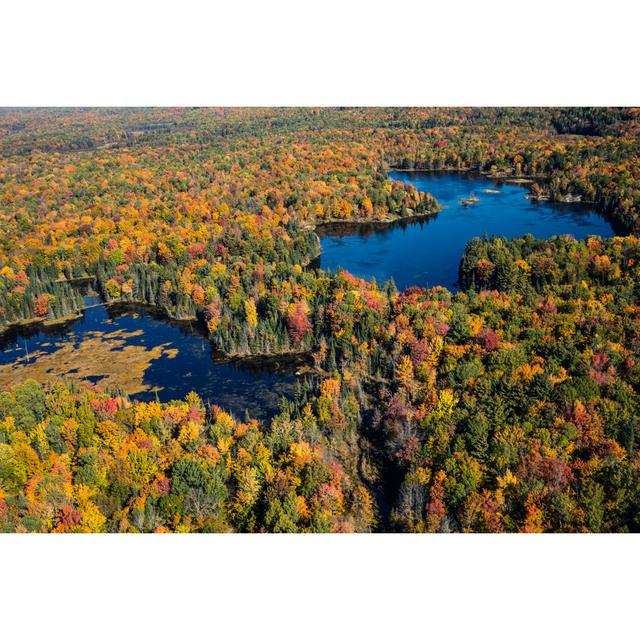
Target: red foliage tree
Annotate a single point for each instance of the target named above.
(41, 305)
(298, 322)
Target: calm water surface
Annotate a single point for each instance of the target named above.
(428, 252)
(186, 363)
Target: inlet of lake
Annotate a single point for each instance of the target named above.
(149, 356)
(427, 252)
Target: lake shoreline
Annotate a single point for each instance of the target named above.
(137, 349)
(40, 323)
(301, 359)
(500, 176)
(384, 221)
(524, 180)
(416, 255)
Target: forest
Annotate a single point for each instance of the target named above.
(510, 405)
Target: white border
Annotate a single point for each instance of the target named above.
(333, 52)
(349, 586)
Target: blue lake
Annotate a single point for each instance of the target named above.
(427, 252)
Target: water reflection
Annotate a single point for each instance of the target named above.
(427, 252)
(148, 356)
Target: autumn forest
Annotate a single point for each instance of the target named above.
(508, 403)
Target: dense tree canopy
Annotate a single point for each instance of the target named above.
(511, 405)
